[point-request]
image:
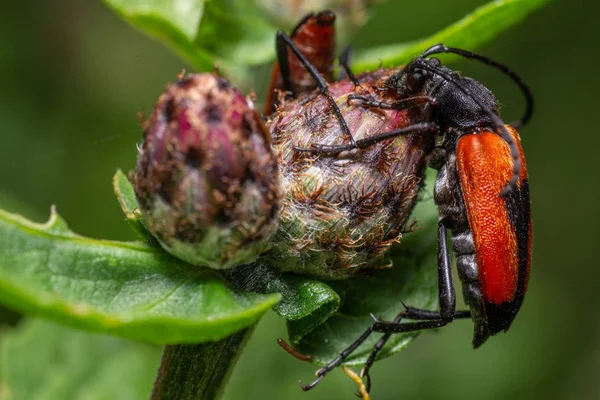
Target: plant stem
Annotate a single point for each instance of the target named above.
(198, 371)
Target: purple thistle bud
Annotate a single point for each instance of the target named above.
(206, 178)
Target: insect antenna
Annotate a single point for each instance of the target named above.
(440, 48)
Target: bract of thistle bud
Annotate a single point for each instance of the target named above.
(206, 178)
(341, 212)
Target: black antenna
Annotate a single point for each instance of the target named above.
(514, 151)
(440, 48)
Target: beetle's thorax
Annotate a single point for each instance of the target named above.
(461, 103)
(460, 111)
(449, 199)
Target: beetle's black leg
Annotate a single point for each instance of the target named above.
(366, 142)
(447, 299)
(283, 43)
(447, 296)
(376, 349)
(392, 327)
(345, 64)
(403, 104)
(379, 326)
(338, 360)
(423, 315)
(427, 319)
(445, 285)
(422, 127)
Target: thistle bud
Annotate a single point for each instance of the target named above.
(206, 179)
(342, 212)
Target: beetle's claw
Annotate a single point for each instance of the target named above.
(311, 385)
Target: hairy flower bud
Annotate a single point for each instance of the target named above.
(342, 212)
(206, 179)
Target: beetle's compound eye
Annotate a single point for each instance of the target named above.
(415, 79)
(434, 62)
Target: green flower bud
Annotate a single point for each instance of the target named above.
(206, 178)
(341, 213)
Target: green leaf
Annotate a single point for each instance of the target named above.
(129, 205)
(231, 33)
(236, 31)
(42, 360)
(128, 289)
(305, 303)
(174, 22)
(475, 29)
(412, 279)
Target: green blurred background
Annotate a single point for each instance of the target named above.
(73, 76)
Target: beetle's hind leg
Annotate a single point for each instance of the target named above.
(424, 319)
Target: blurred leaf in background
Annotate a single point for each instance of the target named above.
(42, 360)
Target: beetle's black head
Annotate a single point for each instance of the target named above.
(415, 78)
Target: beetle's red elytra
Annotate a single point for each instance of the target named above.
(501, 226)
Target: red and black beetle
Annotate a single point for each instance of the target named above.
(481, 191)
